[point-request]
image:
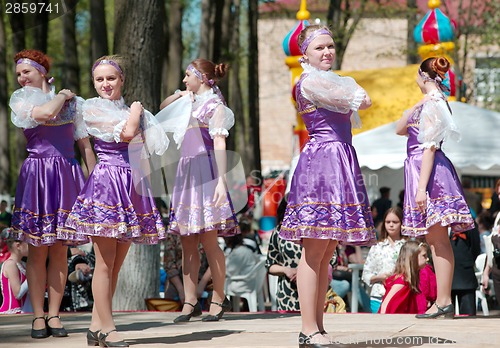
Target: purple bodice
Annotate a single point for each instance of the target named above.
(197, 140)
(116, 154)
(413, 146)
(323, 125)
(50, 141)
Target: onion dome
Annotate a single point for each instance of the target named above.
(291, 41)
(435, 27)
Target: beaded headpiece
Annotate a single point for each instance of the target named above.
(109, 62)
(35, 65)
(312, 36)
(211, 83)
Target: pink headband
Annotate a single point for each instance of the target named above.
(107, 61)
(312, 36)
(210, 82)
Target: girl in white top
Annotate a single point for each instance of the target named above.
(382, 257)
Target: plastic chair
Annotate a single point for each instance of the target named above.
(273, 287)
(249, 287)
(480, 296)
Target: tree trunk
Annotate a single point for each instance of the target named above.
(4, 114)
(139, 29)
(253, 88)
(206, 29)
(70, 67)
(412, 49)
(221, 33)
(18, 33)
(173, 72)
(238, 139)
(98, 30)
(17, 150)
(40, 31)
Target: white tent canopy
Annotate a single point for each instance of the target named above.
(381, 152)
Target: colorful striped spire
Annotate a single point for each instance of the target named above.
(291, 43)
(435, 27)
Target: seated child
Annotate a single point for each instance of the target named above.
(401, 288)
(13, 277)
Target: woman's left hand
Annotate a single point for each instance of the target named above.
(220, 194)
(421, 200)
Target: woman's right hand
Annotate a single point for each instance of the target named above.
(291, 273)
(66, 93)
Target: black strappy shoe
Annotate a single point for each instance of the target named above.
(104, 343)
(39, 333)
(225, 307)
(55, 331)
(93, 338)
(305, 341)
(442, 312)
(186, 317)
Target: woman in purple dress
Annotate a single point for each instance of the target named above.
(327, 202)
(201, 209)
(48, 184)
(434, 198)
(113, 207)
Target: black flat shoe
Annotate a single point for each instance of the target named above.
(186, 317)
(55, 331)
(92, 338)
(305, 341)
(225, 307)
(104, 343)
(442, 312)
(40, 333)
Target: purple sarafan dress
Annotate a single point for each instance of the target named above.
(429, 124)
(116, 201)
(50, 177)
(327, 198)
(193, 210)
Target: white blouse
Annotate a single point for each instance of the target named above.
(330, 91)
(381, 259)
(106, 118)
(24, 100)
(436, 123)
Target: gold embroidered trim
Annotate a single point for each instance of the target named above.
(306, 111)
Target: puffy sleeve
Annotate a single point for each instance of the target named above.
(104, 119)
(221, 122)
(155, 139)
(80, 131)
(436, 124)
(174, 118)
(22, 103)
(333, 92)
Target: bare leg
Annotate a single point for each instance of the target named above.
(442, 256)
(36, 273)
(57, 273)
(323, 283)
(120, 255)
(308, 280)
(105, 253)
(190, 269)
(217, 264)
